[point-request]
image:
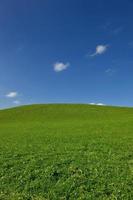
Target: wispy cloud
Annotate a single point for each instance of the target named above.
(112, 28)
(100, 49)
(106, 26)
(12, 94)
(117, 30)
(60, 66)
(110, 71)
(17, 102)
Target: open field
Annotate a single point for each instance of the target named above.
(62, 152)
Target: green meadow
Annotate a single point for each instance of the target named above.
(66, 152)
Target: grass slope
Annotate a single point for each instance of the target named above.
(62, 152)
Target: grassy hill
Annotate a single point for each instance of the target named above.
(76, 152)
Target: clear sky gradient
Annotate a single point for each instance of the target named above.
(66, 51)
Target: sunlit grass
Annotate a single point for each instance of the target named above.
(66, 152)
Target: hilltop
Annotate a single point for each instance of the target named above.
(66, 152)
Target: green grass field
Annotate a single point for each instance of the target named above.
(62, 152)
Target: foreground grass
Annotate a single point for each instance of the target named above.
(52, 152)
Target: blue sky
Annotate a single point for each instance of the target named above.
(66, 51)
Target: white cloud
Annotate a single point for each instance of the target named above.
(60, 66)
(92, 103)
(100, 49)
(100, 104)
(97, 104)
(16, 102)
(12, 94)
